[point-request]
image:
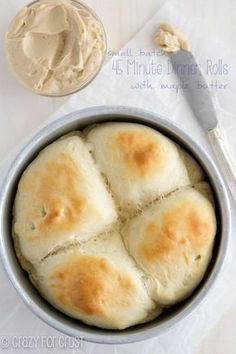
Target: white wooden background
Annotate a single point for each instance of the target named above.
(22, 111)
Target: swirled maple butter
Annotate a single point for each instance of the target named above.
(55, 46)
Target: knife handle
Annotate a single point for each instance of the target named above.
(224, 158)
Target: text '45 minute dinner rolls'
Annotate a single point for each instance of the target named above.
(114, 224)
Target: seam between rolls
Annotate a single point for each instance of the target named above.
(65, 246)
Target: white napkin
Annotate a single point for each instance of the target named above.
(121, 82)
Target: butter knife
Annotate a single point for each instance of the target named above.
(200, 100)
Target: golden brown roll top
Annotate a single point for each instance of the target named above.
(172, 243)
(97, 283)
(140, 164)
(61, 198)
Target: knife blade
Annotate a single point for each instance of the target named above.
(200, 100)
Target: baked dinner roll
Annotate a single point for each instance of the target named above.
(98, 283)
(114, 224)
(140, 164)
(60, 198)
(172, 243)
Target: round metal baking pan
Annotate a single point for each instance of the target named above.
(76, 121)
